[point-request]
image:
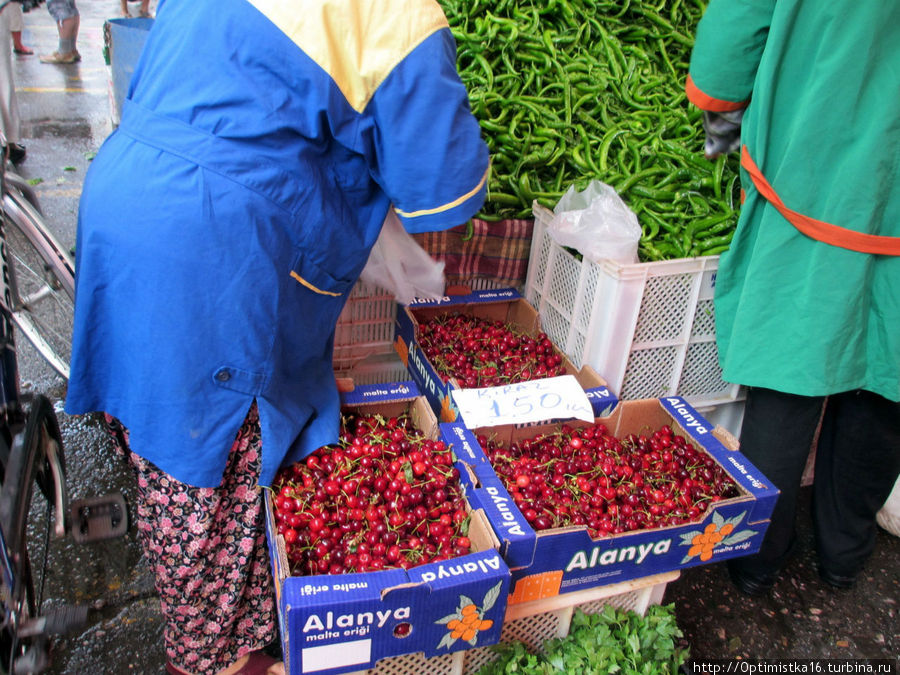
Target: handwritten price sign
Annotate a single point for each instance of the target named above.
(551, 398)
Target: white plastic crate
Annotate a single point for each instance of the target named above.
(647, 328)
(376, 369)
(483, 284)
(417, 664)
(533, 623)
(365, 328)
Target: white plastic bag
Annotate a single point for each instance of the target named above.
(596, 223)
(398, 264)
(889, 515)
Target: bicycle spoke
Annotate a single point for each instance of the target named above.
(41, 283)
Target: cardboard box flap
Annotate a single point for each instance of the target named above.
(603, 401)
(481, 533)
(334, 589)
(517, 538)
(462, 295)
(358, 394)
(449, 573)
(463, 443)
(726, 438)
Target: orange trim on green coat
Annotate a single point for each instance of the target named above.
(706, 102)
(817, 229)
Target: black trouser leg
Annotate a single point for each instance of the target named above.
(857, 461)
(776, 436)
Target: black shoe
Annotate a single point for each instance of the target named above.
(836, 580)
(751, 584)
(15, 153)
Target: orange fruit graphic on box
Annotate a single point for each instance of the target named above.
(468, 620)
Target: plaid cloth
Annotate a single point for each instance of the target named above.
(496, 251)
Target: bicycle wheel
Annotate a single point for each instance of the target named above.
(36, 458)
(42, 282)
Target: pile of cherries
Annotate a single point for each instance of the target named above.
(585, 476)
(479, 352)
(385, 497)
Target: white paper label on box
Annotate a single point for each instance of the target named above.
(551, 398)
(325, 657)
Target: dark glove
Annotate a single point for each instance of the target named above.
(723, 132)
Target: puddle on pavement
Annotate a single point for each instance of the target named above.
(59, 128)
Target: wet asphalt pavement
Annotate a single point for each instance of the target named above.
(802, 617)
(66, 116)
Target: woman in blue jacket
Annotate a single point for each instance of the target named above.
(221, 229)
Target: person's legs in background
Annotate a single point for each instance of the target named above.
(9, 105)
(776, 436)
(67, 22)
(16, 26)
(857, 461)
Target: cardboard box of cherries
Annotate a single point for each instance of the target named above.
(647, 489)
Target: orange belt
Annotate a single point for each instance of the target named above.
(817, 229)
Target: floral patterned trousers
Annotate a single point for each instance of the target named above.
(207, 549)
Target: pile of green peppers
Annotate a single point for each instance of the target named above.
(568, 91)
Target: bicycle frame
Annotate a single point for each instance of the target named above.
(17, 619)
(10, 407)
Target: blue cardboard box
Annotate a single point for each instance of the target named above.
(343, 623)
(505, 305)
(563, 560)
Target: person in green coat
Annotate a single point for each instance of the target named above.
(807, 297)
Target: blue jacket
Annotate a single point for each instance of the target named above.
(224, 223)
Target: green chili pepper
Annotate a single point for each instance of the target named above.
(567, 91)
(716, 250)
(470, 230)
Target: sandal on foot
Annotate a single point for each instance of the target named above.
(25, 51)
(56, 57)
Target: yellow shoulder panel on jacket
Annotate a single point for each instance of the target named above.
(357, 42)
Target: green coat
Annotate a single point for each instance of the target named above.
(822, 80)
